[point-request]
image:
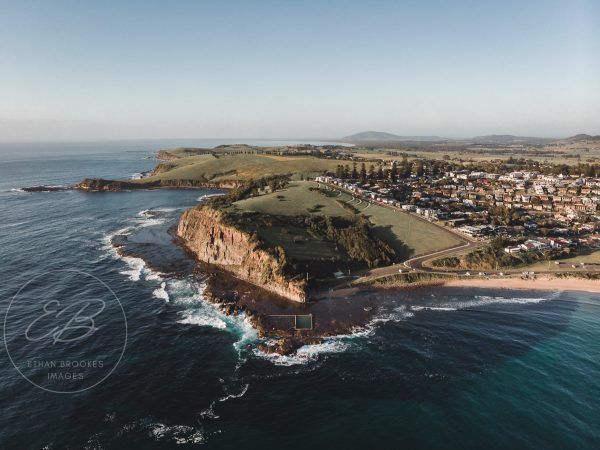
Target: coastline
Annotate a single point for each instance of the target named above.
(542, 283)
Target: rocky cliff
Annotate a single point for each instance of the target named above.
(236, 251)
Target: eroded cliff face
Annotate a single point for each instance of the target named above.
(236, 251)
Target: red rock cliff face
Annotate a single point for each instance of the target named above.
(234, 250)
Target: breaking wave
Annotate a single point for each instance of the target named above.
(161, 292)
(479, 301)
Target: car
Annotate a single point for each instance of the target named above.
(400, 270)
(468, 274)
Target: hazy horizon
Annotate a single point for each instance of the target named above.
(309, 70)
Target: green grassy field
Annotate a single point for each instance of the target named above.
(420, 237)
(296, 199)
(408, 235)
(242, 167)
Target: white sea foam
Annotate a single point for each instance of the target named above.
(161, 292)
(180, 434)
(431, 308)
(205, 196)
(238, 395)
(153, 276)
(150, 217)
(191, 318)
(307, 353)
(136, 267)
(209, 413)
(107, 247)
(202, 313)
(397, 314)
(480, 300)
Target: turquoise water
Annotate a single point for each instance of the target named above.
(438, 368)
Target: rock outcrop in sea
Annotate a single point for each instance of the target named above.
(100, 184)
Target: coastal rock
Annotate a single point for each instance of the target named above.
(203, 232)
(45, 188)
(166, 156)
(102, 185)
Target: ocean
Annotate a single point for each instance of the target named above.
(436, 368)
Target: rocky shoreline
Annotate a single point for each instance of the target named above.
(270, 314)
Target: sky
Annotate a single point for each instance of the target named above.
(73, 70)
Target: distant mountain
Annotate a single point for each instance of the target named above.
(583, 137)
(505, 139)
(373, 136)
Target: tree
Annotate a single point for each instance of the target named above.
(363, 173)
(394, 172)
(371, 172)
(418, 168)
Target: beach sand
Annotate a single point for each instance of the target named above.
(541, 283)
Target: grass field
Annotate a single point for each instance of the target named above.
(242, 167)
(419, 236)
(296, 199)
(409, 235)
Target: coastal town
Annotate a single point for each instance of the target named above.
(530, 211)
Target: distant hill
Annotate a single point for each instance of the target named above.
(583, 137)
(504, 139)
(373, 136)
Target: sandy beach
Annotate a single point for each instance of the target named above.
(541, 284)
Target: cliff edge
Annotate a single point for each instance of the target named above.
(213, 241)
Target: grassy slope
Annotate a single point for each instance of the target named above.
(242, 167)
(393, 226)
(408, 235)
(296, 199)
